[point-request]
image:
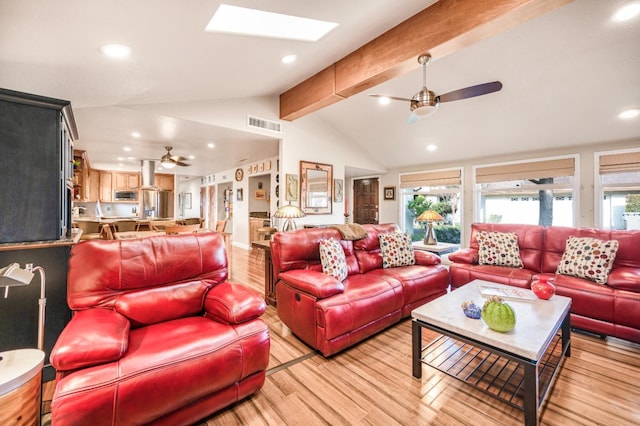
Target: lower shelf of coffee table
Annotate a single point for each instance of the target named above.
(489, 372)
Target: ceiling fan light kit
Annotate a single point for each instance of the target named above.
(426, 102)
(169, 161)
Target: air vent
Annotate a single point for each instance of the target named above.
(261, 123)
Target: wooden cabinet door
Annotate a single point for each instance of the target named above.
(133, 180)
(93, 186)
(106, 188)
(120, 181)
(164, 182)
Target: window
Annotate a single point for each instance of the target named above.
(438, 190)
(619, 189)
(532, 192)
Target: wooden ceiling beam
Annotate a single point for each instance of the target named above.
(445, 27)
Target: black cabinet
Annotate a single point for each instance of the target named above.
(36, 167)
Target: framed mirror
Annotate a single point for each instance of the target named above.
(316, 187)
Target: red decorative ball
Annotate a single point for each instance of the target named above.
(543, 288)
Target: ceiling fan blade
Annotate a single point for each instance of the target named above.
(180, 163)
(471, 91)
(395, 98)
(178, 158)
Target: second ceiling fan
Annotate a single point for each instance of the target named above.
(426, 102)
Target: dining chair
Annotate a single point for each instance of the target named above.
(181, 229)
(125, 225)
(160, 225)
(90, 229)
(220, 225)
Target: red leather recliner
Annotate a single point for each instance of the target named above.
(158, 334)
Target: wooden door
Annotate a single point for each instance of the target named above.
(365, 200)
(211, 200)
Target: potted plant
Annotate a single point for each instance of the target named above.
(632, 211)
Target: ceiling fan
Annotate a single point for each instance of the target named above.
(426, 102)
(169, 161)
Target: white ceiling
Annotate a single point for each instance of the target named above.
(566, 76)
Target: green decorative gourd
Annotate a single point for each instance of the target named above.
(498, 315)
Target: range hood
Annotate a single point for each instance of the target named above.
(148, 174)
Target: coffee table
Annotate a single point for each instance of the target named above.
(517, 367)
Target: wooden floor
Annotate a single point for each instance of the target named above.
(371, 383)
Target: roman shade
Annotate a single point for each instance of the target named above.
(529, 170)
(436, 178)
(618, 163)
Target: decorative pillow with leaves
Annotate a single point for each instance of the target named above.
(498, 248)
(332, 258)
(588, 258)
(396, 249)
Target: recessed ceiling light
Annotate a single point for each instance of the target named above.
(126, 148)
(431, 147)
(211, 145)
(191, 157)
(135, 135)
(240, 20)
(131, 158)
(288, 59)
(383, 100)
(120, 158)
(627, 12)
(116, 50)
(629, 113)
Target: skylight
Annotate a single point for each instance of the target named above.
(240, 20)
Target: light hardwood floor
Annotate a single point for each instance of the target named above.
(371, 383)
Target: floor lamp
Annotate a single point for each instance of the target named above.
(14, 276)
(430, 216)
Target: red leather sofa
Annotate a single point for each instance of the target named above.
(612, 309)
(331, 315)
(158, 336)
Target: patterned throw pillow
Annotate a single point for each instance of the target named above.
(588, 258)
(499, 248)
(396, 250)
(333, 260)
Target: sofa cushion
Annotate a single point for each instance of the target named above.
(588, 258)
(499, 248)
(333, 259)
(396, 250)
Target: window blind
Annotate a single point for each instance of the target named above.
(530, 170)
(617, 163)
(439, 178)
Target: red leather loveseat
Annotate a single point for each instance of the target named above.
(611, 309)
(331, 315)
(158, 335)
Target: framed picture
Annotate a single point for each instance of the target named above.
(389, 193)
(260, 194)
(255, 168)
(292, 188)
(338, 190)
(187, 200)
(239, 194)
(261, 167)
(267, 165)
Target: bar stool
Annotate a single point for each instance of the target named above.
(265, 233)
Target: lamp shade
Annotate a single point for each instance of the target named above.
(288, 212)
(430, 216)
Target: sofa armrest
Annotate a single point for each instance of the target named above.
(94, 336)
(426, 258)
(232, 303)
(466, 255)
(624, 278)
(315, 283)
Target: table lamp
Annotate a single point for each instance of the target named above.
(430, 216)
(289, 213)
(13, 276)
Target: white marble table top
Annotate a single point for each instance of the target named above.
(536, 320)
(17, 367)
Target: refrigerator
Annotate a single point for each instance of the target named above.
(157, 204)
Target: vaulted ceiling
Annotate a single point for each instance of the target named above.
(566, 75)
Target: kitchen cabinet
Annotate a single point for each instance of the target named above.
(164, 181)
(106, 187)
(125, 181)
(93, 186)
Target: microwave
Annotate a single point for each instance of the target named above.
(125, 195)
